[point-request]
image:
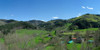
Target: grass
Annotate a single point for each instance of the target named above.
(36, 40)
(78, 46)
(69, 33)
(75, 46)
(84, 30)
(30, 32)
(42, 38)
(49, 48)
(81, 31)
(1, 40)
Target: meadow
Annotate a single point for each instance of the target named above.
(25, 39)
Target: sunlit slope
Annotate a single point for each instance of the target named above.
(85, 21)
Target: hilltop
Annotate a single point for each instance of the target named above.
(85, 21)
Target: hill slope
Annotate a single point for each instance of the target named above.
(85, 21)
(82, 22)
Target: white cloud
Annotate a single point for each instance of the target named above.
(43, 20)
(83, 7)
(55, 17)
(90, 8)
(79, 15)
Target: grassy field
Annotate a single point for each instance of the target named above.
(81, 31)
(30, 32)
(75, 46)
(78, 46)
(24, 39)
(84, 30)
(28, 39)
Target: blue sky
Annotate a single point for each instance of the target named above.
(47, 9)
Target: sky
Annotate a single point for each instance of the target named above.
(45, 10)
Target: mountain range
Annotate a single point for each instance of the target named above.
(82, 22)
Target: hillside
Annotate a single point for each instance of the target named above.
(11, 27)
(36, 22)
(81, 22)
(85, 21)
(87, 16)
(53, 24)
(4, 21)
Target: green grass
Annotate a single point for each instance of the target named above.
(36, 40)
(81, 31)
(89, 29)
(49, 48)
(77, 46)
(69, 33)
(1, 40)
(30, 32)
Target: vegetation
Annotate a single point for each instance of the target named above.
(5, 29)
(82, 32)
(89, 29)
(85, 21)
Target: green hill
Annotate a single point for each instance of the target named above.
(85, 21)
(81, 22)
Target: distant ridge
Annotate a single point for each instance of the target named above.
(81, 22)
